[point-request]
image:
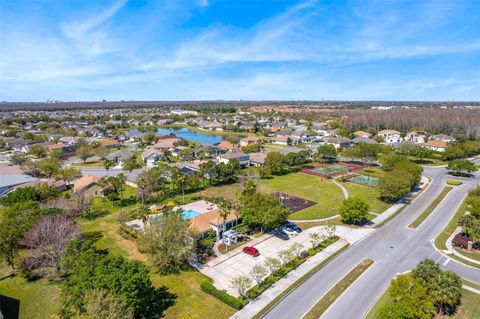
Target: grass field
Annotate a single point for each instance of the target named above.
(38, 300)
(322, 191)
(322, 305)
(370, 194)
(469, 309)
(419, 220)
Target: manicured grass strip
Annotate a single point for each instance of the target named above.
(300, 281)
(329, 298)
(463, 261)
(471, 284)
(430, 208)
(454, 182)
(448, 230)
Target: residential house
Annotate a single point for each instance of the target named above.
(109, 143)
(183, 112)
(339, 142)
(166, 142)
(119, 157)
(207, 150)
(416, 136)
(390, 136)
(257, 159)
(59, 185)
(227, 146)
(443, 137)
(284, 140)
(12, 176)
(362, 134)
(67, 150)
(89, 186)
(248, 140)
(438, 146)
(151, 156)
(243, 159)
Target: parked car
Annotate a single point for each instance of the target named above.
(295, 227)
(289, 230)
(281, 234)
(252, 251)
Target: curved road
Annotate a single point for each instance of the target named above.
(395, 248)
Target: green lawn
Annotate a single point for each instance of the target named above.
(369, 194)
(419, 220)
(327, 195)
(38, 300)
(469, 309)
(322, 305)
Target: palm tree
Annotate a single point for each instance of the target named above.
(225, 209)
(108, 164)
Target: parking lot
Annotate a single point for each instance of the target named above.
(224, 268)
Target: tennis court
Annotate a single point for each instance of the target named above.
(364, 180)
(330, 170)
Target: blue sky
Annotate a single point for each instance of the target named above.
(212, 49)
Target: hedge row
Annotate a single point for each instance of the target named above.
(255, 291)
(233, 302)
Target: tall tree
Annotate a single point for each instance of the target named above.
(168, 242)
(354, 210)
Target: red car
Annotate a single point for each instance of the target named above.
(252, 251)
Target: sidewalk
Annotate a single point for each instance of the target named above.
(254, 306)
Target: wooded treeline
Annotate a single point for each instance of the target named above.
(434, 120)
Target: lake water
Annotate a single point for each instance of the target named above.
(188, 134)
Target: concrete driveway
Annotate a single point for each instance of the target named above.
(224, 268)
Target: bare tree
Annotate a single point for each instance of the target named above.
(83, 203)
(296, 249)
(258, 272)
(241, 284)
(273, 264)
(49, 237)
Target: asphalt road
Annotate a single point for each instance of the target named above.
(395, 248)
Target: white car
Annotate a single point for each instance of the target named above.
(290, 231)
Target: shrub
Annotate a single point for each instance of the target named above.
(454, 182)
(233, 302)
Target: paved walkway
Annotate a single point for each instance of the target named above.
(344, 190)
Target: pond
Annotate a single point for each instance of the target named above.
(188, 134)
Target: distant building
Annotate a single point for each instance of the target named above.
(390, 136)
(183, 112)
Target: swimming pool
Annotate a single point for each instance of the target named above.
(189, 213)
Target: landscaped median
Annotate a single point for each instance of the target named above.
(419, 220)
(329, 298)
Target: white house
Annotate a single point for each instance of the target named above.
(390, 136)
(243, 159)
(416, 137)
